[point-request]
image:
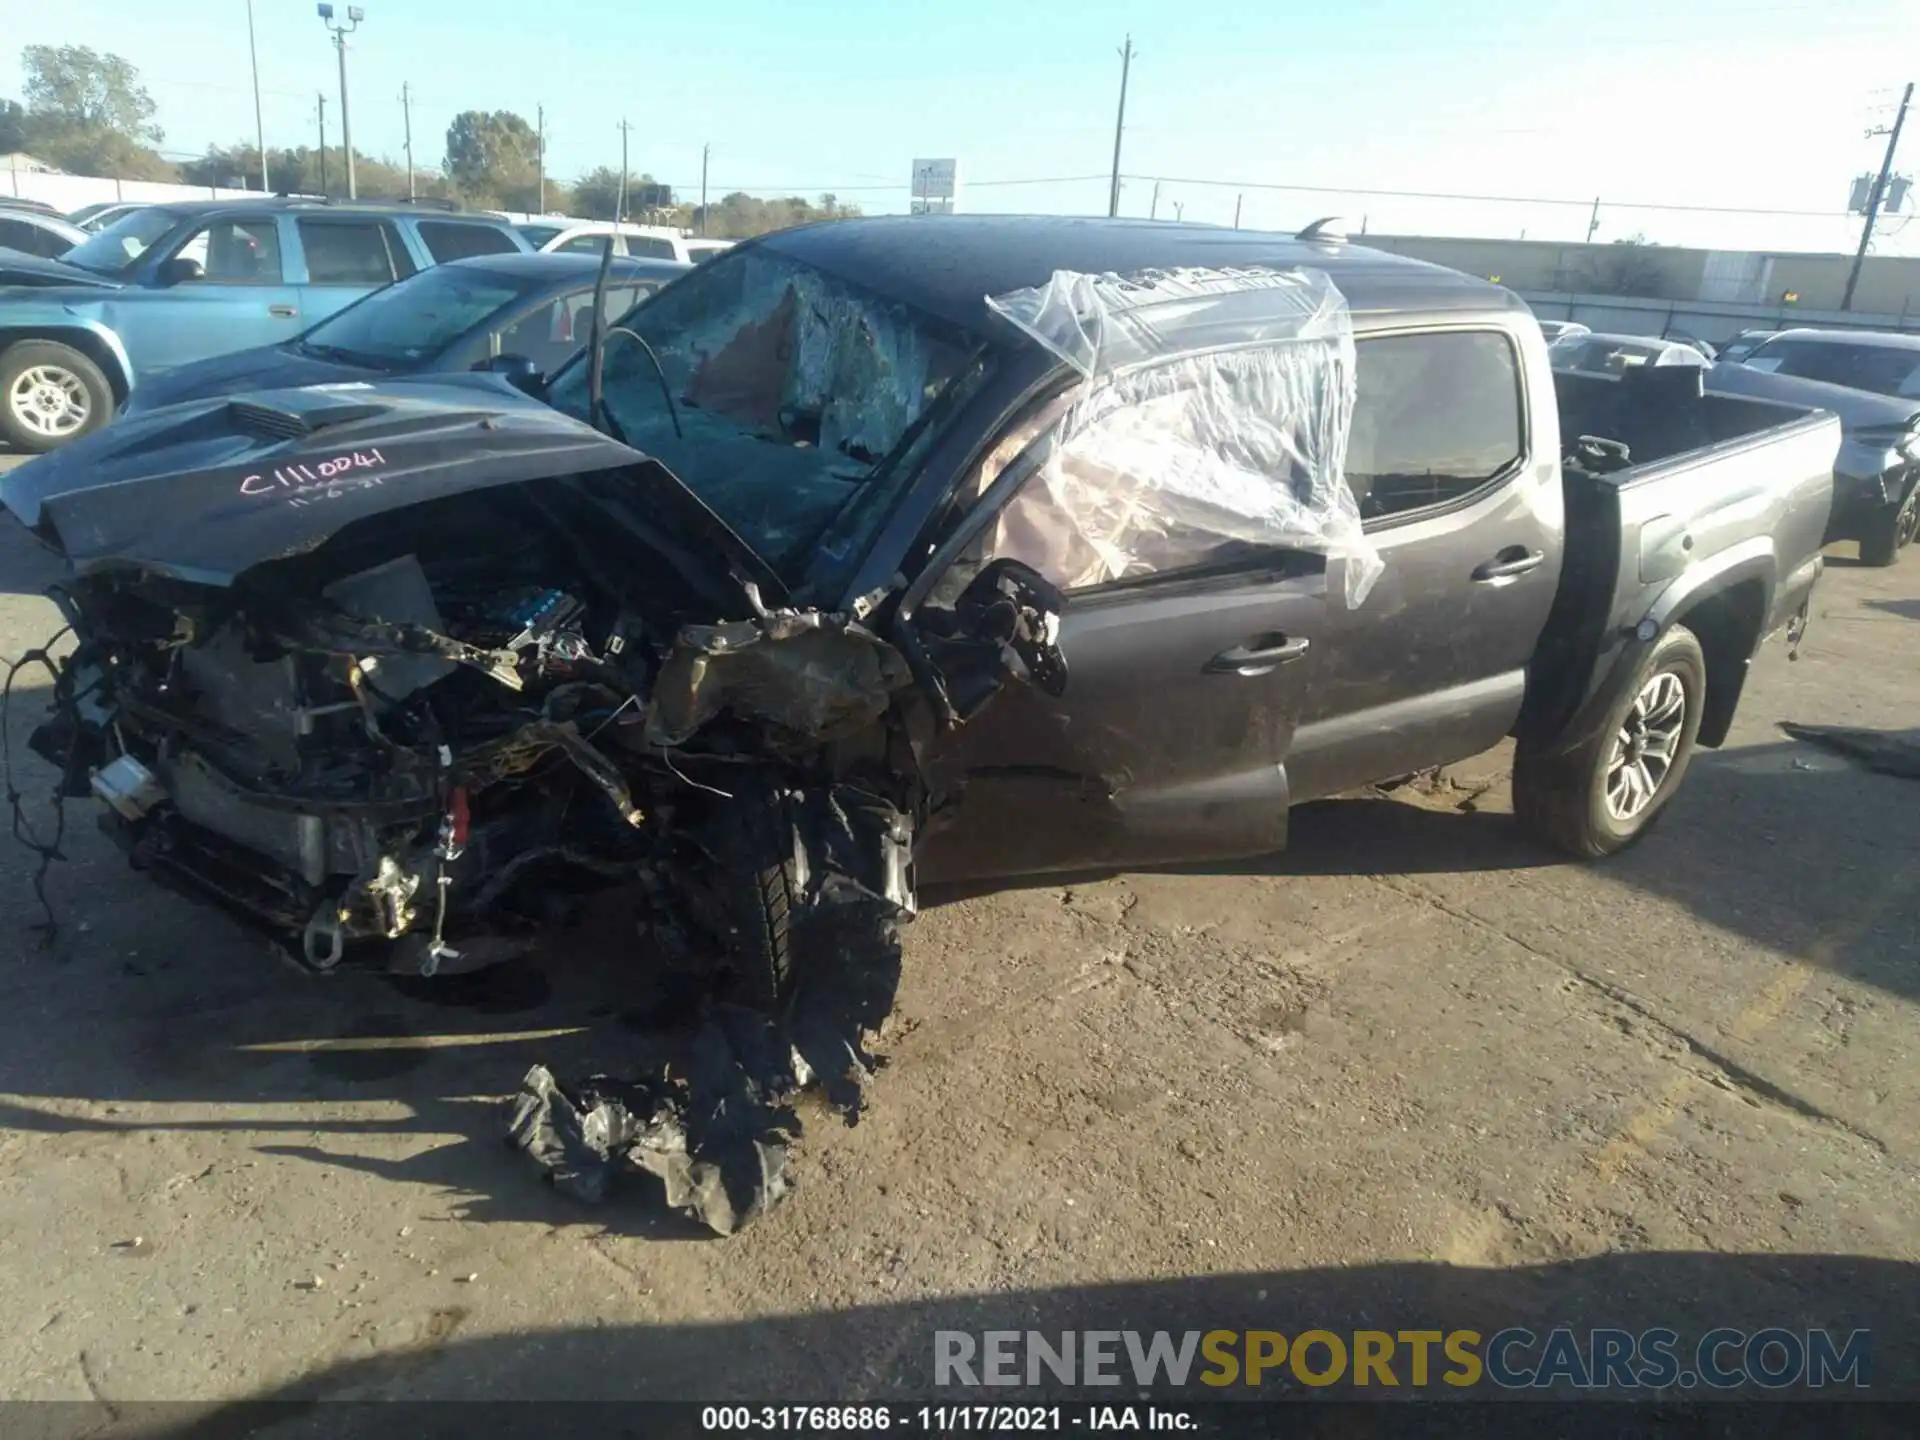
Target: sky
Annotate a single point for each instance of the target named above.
(1647, 105)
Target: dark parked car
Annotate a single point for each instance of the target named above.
(458, 316)
(883, 550)
(32, 233)
(1886, 364)
(1876, 478)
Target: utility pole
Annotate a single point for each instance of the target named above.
(1153, 210)
(259, 129)
(620, 206)
(323, 143)
(1119, 126)
(1593, 222)
(705, 150)
(1878, 195)
(1236, 210)
(406, 109)
(540, 151)
(1179, 211)
(340, 32)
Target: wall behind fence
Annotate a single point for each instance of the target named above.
(67, 193)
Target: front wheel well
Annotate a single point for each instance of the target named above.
(85, 341)
(1727, 624)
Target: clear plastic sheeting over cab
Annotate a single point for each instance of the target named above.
(1172, 447)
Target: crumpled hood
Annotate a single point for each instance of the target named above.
(267, 367)
(37, 272)
(206, 490)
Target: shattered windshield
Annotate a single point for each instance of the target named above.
(796, 400)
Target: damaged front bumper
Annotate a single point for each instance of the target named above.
(431, 794)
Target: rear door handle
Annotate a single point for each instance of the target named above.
(282, 312)
(1508, 563)
(1266, 652)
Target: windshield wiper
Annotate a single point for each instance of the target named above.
(343, 356)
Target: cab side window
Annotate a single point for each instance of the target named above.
(235, 252)
(1435, 418)
(1201, 463)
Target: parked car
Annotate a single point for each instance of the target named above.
(1742, 345)
(1610, 354)
(589, 237)
(35, 207)
(464, 315)
(103, 213)
(31, 233)
(1560, 329)
(874, 550)
(169, 284)
(1886, 364)
(1876, 477)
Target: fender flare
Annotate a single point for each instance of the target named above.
(91, 338)
(1752, 559)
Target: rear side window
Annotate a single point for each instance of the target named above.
(1435, 418)
(585, 245)
(33, 239)
(353, 252)
(650, 246)
(449, 240)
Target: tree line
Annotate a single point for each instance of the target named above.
(88, 114)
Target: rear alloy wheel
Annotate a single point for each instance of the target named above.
(1602, 796)
(1893, 531)
(50, 394)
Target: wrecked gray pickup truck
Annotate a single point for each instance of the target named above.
(763, 602)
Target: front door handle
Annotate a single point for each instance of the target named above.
(282, 312)
(1258, 658)
(1508, 563)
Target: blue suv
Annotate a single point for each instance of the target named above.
(169, 284)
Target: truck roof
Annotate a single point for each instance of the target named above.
(947, 264)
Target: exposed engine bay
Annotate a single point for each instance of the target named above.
(425, 741)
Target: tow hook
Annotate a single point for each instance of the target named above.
(324, 941)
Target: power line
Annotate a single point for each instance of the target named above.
(1489, 199)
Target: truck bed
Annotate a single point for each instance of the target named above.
(1721, 495)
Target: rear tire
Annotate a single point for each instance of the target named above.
(50, 394)
(1892, 531)
(1602, 797)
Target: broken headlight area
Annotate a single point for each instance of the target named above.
(427, 760)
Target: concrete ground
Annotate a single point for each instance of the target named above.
(1414, 1073)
